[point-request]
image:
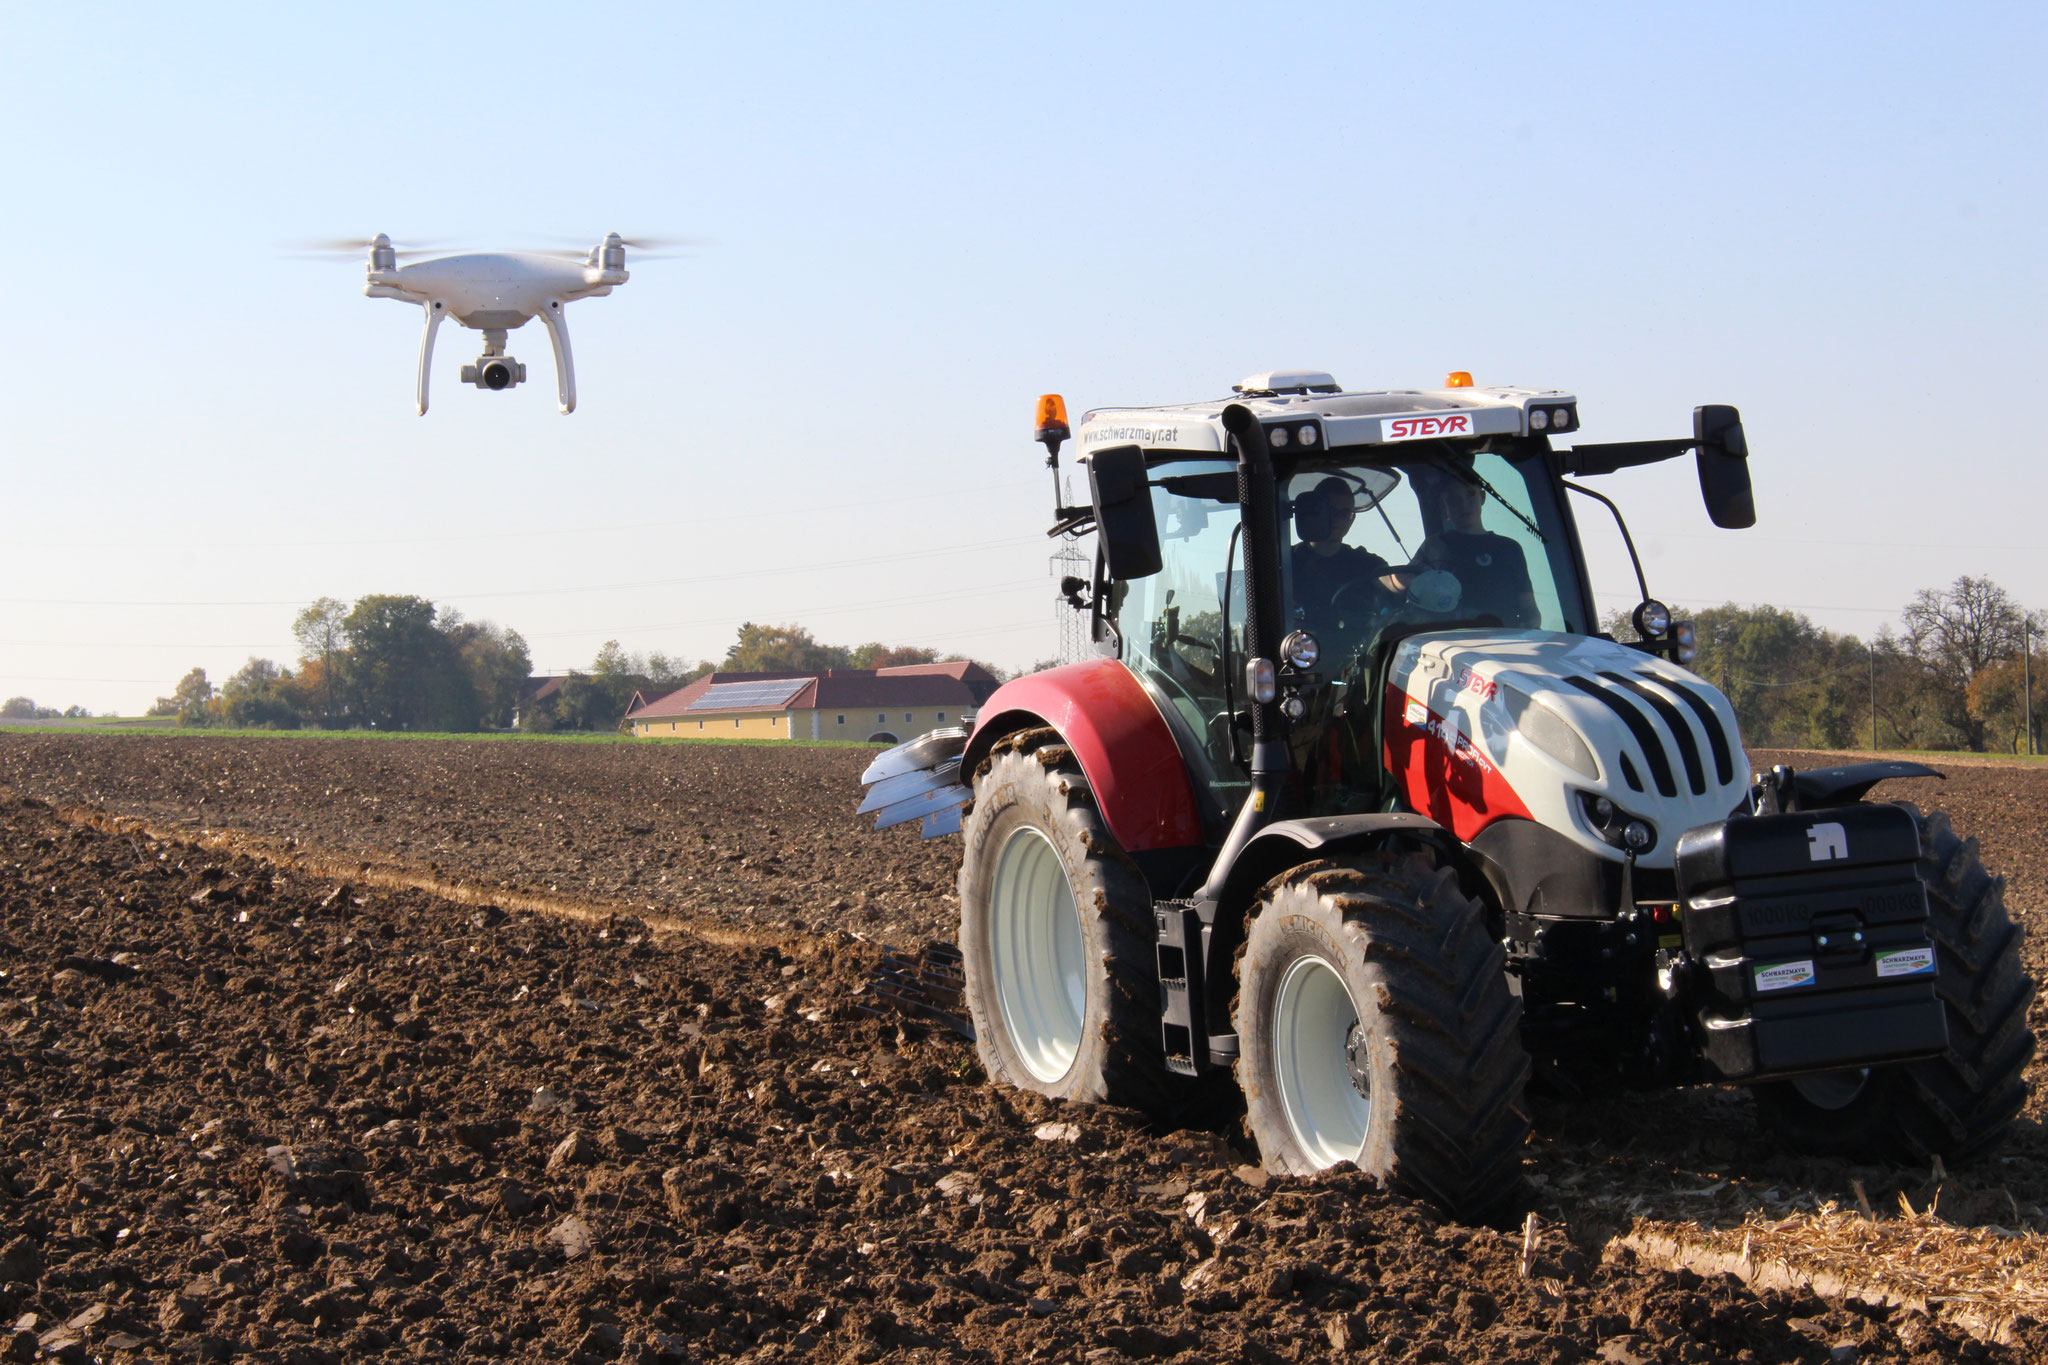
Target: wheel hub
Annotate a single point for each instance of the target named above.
(1358, 1061)
(1319, 1054)
(1035, 945)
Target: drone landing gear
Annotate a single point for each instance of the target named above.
(435, 311)
(555, 316)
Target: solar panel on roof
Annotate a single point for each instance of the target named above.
(740, 695)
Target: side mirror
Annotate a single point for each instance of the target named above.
(1123, 511)
(1724, 466)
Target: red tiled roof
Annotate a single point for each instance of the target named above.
(911, 685)
(980, 682)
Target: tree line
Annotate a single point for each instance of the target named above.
(389, 662)
(1951, 675)
(403, 663)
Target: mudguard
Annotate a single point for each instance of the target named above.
(1116, 733)
(1821, 787)
(1285, 843)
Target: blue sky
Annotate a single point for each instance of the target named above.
(915, 220)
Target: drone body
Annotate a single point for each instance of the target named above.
(496, 292)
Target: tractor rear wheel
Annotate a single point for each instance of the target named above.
(1056, 937)
(1959, 1103)
(1375, 1026)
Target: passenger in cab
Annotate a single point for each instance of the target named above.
(1492, 573)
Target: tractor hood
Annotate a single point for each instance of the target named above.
(1486, 725)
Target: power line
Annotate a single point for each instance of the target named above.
(1859, 544)
(805, 611)
(37, 677)
(604, 529)
(979, 547)
(1781, 606)
(1856, 667)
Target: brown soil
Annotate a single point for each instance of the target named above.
(251, 1112)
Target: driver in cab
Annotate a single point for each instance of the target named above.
(1335, 584)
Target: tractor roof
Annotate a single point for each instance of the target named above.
(1346, 418)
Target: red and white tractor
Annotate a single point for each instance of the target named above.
(1359, 804)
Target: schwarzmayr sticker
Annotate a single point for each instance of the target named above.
(1909, 962)
(1784, 976)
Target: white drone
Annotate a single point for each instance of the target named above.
(495, 292)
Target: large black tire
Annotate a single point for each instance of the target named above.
(1436, 1038)
(1057, 942)
(1957, 1105)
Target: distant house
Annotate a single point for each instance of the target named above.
(878, 705)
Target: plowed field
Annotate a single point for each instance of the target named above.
(605, 1090)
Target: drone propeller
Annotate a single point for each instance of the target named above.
(649, 247)
(355, 246)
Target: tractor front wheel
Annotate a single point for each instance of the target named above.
(1056, 937)
(1375, 1026)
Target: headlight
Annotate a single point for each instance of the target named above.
(1549, 731)
(1538, 419)
(1652, 619)
(1683, 635)
(1615, 826)
(1301, 650)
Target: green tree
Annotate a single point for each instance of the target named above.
(189, 700)
(599, 699)
(404, 674)
(781, 649)
(258, 696)
(24, 708)
(498, 664)
(877, 655)
(667, 674)
(322, 632)
(1998, 701)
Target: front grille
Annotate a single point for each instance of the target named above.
(1717, 738)
(1638, 725)
(1688, 747)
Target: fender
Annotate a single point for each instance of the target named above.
(1110, 722)
(1845, 786)
(1287, 843)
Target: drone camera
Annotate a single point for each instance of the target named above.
(494, 372)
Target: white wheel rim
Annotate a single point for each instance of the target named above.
(1835, 1090)
(1312, 1019)
(1035, 941)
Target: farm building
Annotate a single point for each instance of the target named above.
(880, 705)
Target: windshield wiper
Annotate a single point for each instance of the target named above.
(1494, 493)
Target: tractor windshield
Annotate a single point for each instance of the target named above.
(1444, 533)
(1460, 534)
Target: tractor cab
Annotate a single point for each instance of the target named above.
(1389, 515)
(1373, 544)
